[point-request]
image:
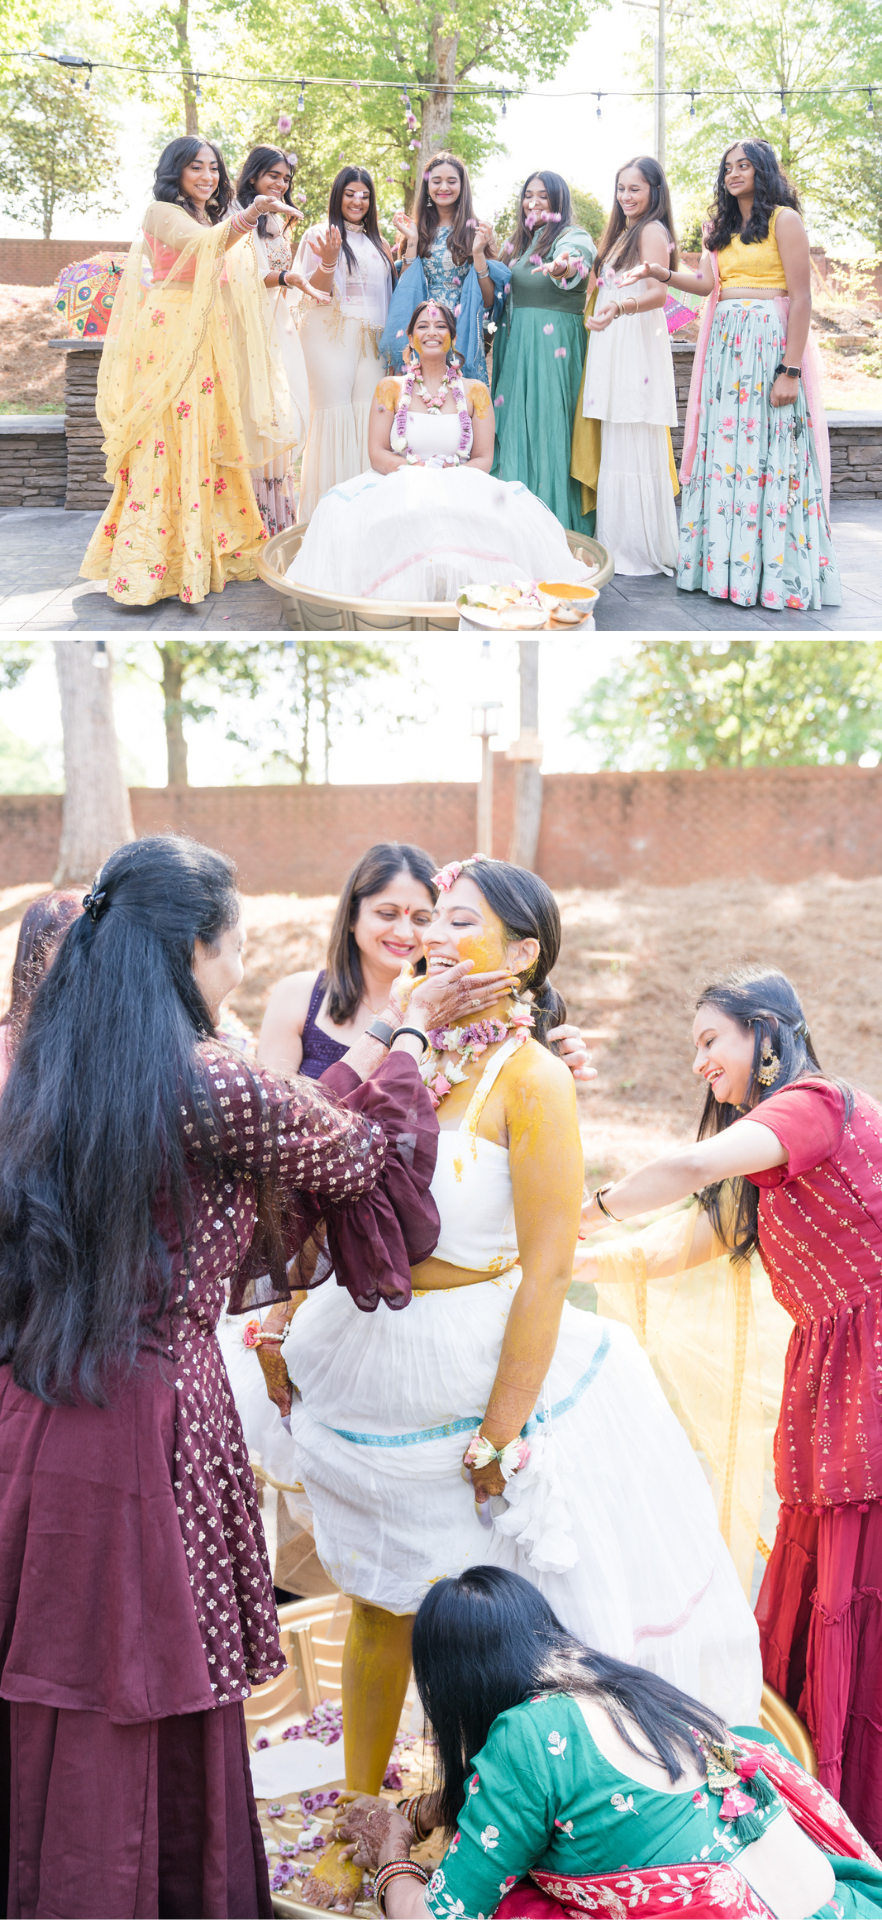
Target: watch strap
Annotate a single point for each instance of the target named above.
(380, 1030)
(793, 373)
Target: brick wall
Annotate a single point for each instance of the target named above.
(38, 263)
(598, 830)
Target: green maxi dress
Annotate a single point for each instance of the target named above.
(538, 354)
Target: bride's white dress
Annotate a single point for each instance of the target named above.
(612, 1518)
(424, 533)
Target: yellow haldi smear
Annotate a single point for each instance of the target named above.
(457, 1167)
(386, 395)
(480, 398)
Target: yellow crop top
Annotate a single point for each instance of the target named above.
(758, 265)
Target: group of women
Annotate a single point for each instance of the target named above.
(228, 354)
(494, 1477)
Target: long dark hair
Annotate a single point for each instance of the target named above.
(660, 209)
(761, 998)
(461, 240)
(542, 236)
(167, 178)
(369, 876)
(43, 924)
(336, 218)
(90, 1119)
(771, 189)
(528, 911)
(487, 1641)
(259, 160)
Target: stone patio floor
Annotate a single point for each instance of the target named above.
(41, 592)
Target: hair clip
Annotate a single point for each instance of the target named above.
(94, 902)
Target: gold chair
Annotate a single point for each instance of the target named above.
(777, 1718)
(308, 610)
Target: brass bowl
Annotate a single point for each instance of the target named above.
(308, 610)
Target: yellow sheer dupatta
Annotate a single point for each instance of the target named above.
(716, 1338)
(171, 301)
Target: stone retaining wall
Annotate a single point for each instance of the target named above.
(33, 460)
(855, 440)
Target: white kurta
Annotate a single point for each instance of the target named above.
(340, 349)
(629, 387)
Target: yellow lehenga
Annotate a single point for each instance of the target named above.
(190, 394)
(716, 1338)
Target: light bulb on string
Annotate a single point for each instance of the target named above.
(198, 94)
(870, 106)
(503, 103)
(99, 657)
(783, 105)
(692, 104)
(301, 97)
(598, 106)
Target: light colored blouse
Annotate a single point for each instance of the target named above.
(364, 292)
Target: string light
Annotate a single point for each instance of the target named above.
(692, 104)
(504, 107)
(198, 88)
(464, 88)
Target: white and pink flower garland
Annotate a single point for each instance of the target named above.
(469, 1042)
(452, 383)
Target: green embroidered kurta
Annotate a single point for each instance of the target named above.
(543, 1795)
(538, 354)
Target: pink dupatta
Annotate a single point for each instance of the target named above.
(811, 379)
(706, 1890)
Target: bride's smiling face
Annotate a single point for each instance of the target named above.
(464, 927)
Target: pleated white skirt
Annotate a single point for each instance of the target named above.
(612, 1519)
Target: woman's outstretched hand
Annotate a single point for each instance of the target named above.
(647, 270)
(294, 278)
(404, 225)
(598, 322)
(572, 1051)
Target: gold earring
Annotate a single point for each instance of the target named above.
(770, 1066)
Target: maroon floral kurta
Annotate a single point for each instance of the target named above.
(134, 1579)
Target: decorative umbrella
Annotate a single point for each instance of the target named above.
(85, 294)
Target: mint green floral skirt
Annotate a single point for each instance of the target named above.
(753, 527)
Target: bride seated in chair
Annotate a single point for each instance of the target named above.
(427, 519)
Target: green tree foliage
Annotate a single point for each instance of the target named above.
(423, 48)
(321, 683)
(57, 147)
(16, 656)
(23, 767)
(794, 45)
(736, 703)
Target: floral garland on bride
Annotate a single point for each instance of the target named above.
(452, 383)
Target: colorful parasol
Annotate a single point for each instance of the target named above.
(85, 294)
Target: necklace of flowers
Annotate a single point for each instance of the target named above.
(451, 383)
(469, 1042)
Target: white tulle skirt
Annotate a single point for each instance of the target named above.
(424, 533)
(612, 1519)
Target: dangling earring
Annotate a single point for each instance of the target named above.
(770, 1066)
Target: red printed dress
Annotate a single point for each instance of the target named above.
(136, 1599)
(820, 1606)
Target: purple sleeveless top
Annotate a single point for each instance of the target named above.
(320, 1050)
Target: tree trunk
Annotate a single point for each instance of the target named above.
(436, 114)
(528, 773)
(97, 815)
(307, 703)
(326, 717)
(188, 83)
(173, 697)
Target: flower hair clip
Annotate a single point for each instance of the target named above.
(445, 877)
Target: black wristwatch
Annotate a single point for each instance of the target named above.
(379, 1030)
(793, 373)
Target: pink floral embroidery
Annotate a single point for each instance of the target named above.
(208, 385)
(157, 318)
(220, 486)
(186, 593)
(158, 572)
(184, 410)
(158, 447)
(121, 584)
(110, 529)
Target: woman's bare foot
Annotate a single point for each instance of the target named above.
(335, 1881)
